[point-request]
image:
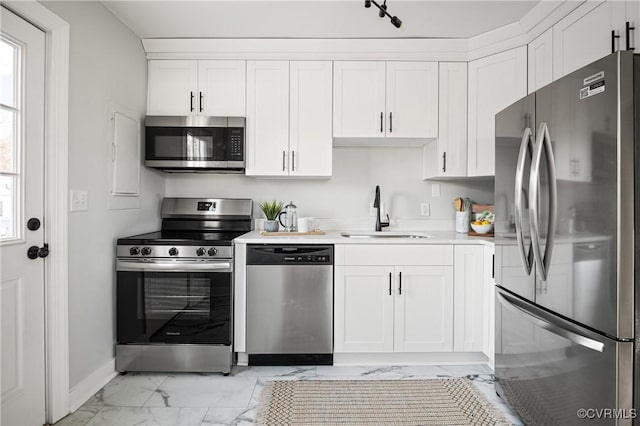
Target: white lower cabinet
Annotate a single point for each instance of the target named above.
(393, 309)
(469, 299)
(403, 307)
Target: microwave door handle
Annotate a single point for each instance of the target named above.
(525, 148)
(543, 144)
(556, 329)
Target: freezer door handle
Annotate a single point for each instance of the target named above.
(543, 143)
(526, 147)
(556, 329)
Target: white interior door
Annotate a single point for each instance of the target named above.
(22, 64)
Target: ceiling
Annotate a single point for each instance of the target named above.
(314, 18)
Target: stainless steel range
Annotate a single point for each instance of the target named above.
(174, 288)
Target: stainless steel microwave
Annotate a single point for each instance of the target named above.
(195, 144)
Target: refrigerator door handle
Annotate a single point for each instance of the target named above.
(543, 143)
(558, 330)
(526, 147)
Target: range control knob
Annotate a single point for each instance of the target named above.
(213, 251)
(201, 251)
(173, 251)
(134, 251)
(146, 251)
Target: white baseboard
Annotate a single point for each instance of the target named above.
(84, 390)
(409, 358)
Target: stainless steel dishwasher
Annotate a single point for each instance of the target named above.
(290, 304)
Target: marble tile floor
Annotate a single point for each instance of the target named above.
(212, 399)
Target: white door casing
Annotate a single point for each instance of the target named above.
(22, 279)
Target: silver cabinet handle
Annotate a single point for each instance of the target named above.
(543, 143)
(283, 164)
(558, 330)
(293, 161)
(526, 147)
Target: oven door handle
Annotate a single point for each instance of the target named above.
(175, 266)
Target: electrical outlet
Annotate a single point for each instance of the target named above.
(79, 200)
(425, 209)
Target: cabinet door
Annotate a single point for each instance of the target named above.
(489, 286)
(447, 157)
(424, 309)
(469, 284)
(221, 88)
(363, 309)
(358, 99)
(310, 137)
(172, 87)
(540, 52)
(267, 141)
(495, 82)
(412, 100)
(584, 35)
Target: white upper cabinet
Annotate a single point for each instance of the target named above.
(172, 87)
(412, 100)
(222, 88)
(267, 132)
(495, 82)
(358, 99)
(540, 52)
(377, 99)
(446, 157)
(181, 87)
(585, 35)
(310, 131)
(289, 118)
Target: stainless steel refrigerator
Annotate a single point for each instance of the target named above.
(565, 189)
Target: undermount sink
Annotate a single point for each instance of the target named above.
(382, 234)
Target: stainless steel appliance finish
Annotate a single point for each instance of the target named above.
(289, 304)
(173, 289)
(195, 144)
(566, 303)
(179, 358)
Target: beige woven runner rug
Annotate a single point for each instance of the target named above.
(375, 402)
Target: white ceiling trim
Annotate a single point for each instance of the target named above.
(520, 33)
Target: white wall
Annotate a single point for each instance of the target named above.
(107, 65)
(347, 195)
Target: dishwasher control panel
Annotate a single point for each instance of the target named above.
(281, 254)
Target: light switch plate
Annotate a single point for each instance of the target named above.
(435, 189)
(79, 200)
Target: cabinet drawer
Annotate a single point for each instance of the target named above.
(425, 255)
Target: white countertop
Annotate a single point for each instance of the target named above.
(334, 237)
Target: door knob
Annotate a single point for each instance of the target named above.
(35, 252)
(33, 224)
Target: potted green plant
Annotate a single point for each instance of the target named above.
(271, 210)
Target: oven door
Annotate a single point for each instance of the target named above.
(173, 301)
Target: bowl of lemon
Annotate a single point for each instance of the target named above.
(483, 223)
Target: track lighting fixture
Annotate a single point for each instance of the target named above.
(383, 12)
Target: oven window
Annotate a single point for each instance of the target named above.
(174, 307)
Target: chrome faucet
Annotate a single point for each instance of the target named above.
(376, 205)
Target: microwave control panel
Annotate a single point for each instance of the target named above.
(236, 144)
